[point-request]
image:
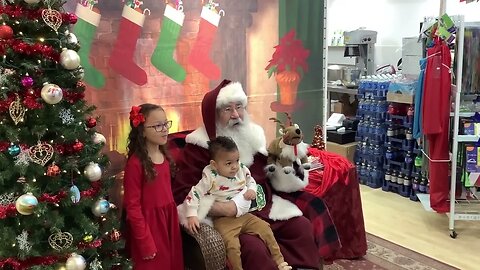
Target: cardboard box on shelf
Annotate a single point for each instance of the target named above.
(346, 150)
(348, 109)
(400, 98)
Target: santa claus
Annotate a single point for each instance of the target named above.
(303, 239)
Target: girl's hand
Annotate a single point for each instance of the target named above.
(150, 257)
(250, 195)
(193, 224)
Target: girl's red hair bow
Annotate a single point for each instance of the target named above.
(136, 116)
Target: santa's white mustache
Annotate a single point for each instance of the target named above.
(233, 122)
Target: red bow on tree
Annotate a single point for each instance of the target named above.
(136, 116)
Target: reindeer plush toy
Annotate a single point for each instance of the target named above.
(288, 151)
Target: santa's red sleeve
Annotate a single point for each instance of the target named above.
(138, 227)
(190, 166)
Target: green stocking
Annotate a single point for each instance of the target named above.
(162, 57)
(85, 30)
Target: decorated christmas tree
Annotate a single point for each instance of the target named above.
(54, 208)
(318, 141)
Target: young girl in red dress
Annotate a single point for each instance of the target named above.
(153, 231)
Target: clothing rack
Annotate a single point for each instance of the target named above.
(460, 209)
(464, 208)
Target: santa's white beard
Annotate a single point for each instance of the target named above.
(240, 131)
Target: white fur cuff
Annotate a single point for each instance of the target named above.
(133, 15)
(88, 15)
(175, 15)
(210, 16)
(242, 205)
(283, 209)
(203, 209)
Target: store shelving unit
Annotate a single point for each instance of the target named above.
(460, 209)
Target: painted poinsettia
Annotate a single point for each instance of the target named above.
(289, 55)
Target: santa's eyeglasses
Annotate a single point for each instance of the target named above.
(230, 109)
(161, 126)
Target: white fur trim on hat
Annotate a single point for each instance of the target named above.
(210, 16)
(175, 15)
(133, 15)
(233, 92)
(87, 15)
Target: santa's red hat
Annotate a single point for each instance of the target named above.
(222, 95)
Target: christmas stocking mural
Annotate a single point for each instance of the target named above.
(85, 30)
(121, 59)
(162, 57)
(199, 56)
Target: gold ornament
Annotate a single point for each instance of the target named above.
(88, 238)
(26, 204)
(51, 93)
(75, 262)
(41, 153)
(60, 241)
(61, 267)
(52, 18)
(17, 111)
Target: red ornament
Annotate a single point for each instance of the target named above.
(91, 122)
(115, 235)
(93, 191)
(4, 146)
(60, 149)
(53, 170)
(77, 146)
(81, 84)
(6, 32)
(94, 244)
(72, 18)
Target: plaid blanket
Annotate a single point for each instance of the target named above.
(317, 212)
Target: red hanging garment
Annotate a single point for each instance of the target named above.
(435, 116)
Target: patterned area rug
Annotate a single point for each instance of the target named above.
(385, 255)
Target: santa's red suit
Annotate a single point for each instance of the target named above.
(302, 239)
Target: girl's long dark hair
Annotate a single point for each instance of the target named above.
(137, 145)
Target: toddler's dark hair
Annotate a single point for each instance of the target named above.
(221, 143)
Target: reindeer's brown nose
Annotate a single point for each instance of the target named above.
(297, 131)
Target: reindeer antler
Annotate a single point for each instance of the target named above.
(277, 121)
(289, 120)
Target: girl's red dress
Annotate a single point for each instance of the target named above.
(152, 220)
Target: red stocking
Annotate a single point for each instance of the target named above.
(199, 57)
(121, 59)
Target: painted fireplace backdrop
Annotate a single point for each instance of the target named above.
(241, 46)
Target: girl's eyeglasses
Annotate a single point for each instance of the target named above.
(162, 126)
